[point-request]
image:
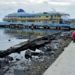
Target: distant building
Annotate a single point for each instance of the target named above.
(69, 21)
(72, 21)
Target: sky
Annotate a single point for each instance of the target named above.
(33, 6)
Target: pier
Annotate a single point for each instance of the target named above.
(33, 26)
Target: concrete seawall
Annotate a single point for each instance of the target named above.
(65, 64)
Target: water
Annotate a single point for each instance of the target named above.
(11, 37)
(4, 40)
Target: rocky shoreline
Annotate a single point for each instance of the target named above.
(38, 67)
(39, 64)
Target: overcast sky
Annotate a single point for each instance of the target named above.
(9, 6)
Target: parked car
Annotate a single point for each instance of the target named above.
(73, 36)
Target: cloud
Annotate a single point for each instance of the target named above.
(56, 2)
(59, 3)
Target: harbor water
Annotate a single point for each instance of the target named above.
(7, 41)
(11, 37)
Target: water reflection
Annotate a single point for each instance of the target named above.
(28, 33)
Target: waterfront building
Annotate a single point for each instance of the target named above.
(46, 20)
(22, 17)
